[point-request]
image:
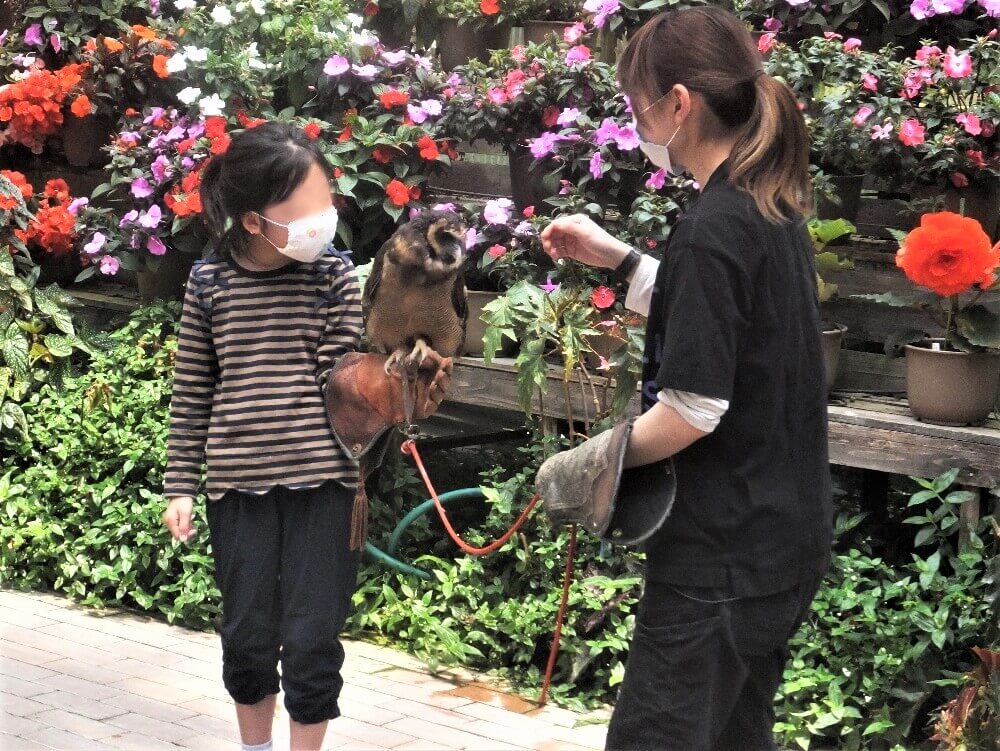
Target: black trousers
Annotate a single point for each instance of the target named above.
(703, 668)
(283, 565)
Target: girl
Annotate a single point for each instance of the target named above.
(732, 389)
(265, 318)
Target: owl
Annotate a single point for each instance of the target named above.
(414, 299)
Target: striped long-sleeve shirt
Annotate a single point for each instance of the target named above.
(254, 351)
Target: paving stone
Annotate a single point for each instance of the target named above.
(19, 687)
(27, 655)
(369, 712)
(91, 708)
(524, 735)
(24, 670)
(73, 633)
(130, 741)
(422, 745)
(561, 746)
(158, 710)
(22, 706)
(79, 686)
(553, 715)
(74, 723)
(139, 723)
(216, 707)
(60, 739)
(447, 717)
(27, 620)
(449, 736)
(203, 724)
(151, 690)
(22, 726)
(14, 636)
(209, 743)
(375, 734)
(17, 743)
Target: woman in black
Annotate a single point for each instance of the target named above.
(733, 388)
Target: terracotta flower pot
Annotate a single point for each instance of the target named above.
(848, 189)
(475, 326)
(951, 388)
(83, 138)
(168, 280)
(460, 43)
(833, 340)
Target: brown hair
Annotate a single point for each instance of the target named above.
(709, 51)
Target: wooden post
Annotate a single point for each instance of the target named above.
(968, 517)
(550, 425)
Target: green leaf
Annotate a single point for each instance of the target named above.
(980, 326)
(61, 346)
(14, 348)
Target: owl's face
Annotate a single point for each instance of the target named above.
(445, 245)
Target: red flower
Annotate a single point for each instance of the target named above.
(312, 130)
(183, 204)
(529, 211)
(248, 122)
(496, 251)
(489, 7)
(183, 146)
(191, 182)
(215, 126)
(398, 193)
(602, 297)
(428, 148)
(80, 106)
(345, 134)
(220, 145)
(450, 150)
(947, 254)
(20, 182)
(131, 112)
(415, 192)
(393, 98)
(338, 172)
(58, 189)
(371, 8)
(159, 65)
(550, 115)
(382, 154)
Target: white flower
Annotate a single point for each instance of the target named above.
(259, 7)
(189, 95)
(256, 64)
(176, 63)
(364, 38)
(185, 4)
(240, 7)
(252, 50)
(195, 54)
(354, 19)
(222, 15)
(211, 105)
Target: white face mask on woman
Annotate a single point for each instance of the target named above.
(657, 153)
(308, 236)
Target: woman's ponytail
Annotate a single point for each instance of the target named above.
(771, 157)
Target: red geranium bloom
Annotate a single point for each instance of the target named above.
(345, 134)
(489, 7)
(160, 66)
(602, 297)
(248, 122)
(220, 145)
(58, 189)
(948, 254)
(81, 106)
(428, 148)
(215, 126)
(312, 130)
(398, 193)
(20, 181)
(393, 98)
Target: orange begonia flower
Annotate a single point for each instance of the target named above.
(160, 66)
(113, 45)
(81, 106)
(948, 254)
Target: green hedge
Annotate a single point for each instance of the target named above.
(884, 644)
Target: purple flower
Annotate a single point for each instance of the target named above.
(365, 72)
(607, 131)
(524, 228)
(3, 37)
(431, 106)
(158, 143)
(33, 35)
(772, 24)
(176, 133)
(96, 243)
(141, 188)
(187, 163)
(129, 218)
(56, 42)
(443, 207)
(881, 132)
(337, 65)
(595, 165)
(154, 114)
(76, 204)
(627, 138)
(568, 116)
(424, 61)
(151, 219)
(414, 213)
(130, 138)
(471, 238)
(992, 8)
(578, 54)
(454, 80)
(109, 265)
(416, 113)
(543, 145)
(602, 9)
(154, 7)
(497, 211)
(394, 58)
(155, 246)
(160, 168)
(548, 287)
(196, 130)
(656, 179)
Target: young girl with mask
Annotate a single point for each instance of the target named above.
(732, 388)
(265, 319)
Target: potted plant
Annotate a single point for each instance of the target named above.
(542, 20)
(951, 379)
(32, 107)
(470, 29)
(972, 719)
(823, 232)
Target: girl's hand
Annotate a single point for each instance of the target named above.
(177, 517)
(580, 238)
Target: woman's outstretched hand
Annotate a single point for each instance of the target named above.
(580, 238)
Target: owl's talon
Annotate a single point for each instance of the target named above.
(392, 362)
(419, 353)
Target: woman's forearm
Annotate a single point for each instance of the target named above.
(657, 434)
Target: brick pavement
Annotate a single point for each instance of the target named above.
(76, 678)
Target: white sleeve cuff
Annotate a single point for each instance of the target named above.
(640, 289)
(700, 412)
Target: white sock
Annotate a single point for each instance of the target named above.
(260, 747)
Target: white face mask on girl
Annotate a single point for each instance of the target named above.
(658, 153)
(308, 236)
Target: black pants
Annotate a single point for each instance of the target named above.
(286, 575)
(703, 669)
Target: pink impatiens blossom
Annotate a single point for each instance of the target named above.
(578, 54)
(766, 42)
(549, 287)
(852, 44)
(862, 115)
(601, 10)
(772, 24)
(337, 65)
(496, 251)
(497, 95)
(627, 138)
(657, 179)
(926, 53)
(56, 42)
(96, 243)
(497, 211)
(882, 132)
(957, 65)
(568, 116)
(595, 165)
(869, 81)
(155, 246)
(543, 145)
(911, 132)
(141, 188)
(607, 131)
(572, 34)
(959, 180)
(33, 35)
(109, 265)
(471, 238)
(970, 122)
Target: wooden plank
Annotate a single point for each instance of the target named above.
(895, 415)
(870, 372)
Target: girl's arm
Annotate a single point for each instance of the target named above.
(195, 373)
(344, 321)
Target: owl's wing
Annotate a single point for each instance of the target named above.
(458, 299)
(374, 280)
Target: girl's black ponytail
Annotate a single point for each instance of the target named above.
(262, 166)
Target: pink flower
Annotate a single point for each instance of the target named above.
(988, 128)
(578, 54)
(766, 43)
(992, 8)
(772, 24)
(921, 9)
(76, 204)
(517, 54)
(602, 297)
(394, 58)
(572, 34)
(601, 10)
(656, 179)
(128, 218)
(471, 238)
(595, 165)
(602, 363)
(852, 44)
(970, 122)
(831, 35)
(862, 115)
(365, 72)
(96, 243)
(337, 65)
(109, 265)
(497, 95)
(926, 53)
(957, 65)
(496, 251)
(497, 211)
(151, 219)
(882, 132)
(33, 35)
(911, 132)
(976, 157)
(568, 116)
(627, 138)
(869, 81)
(543, 145)
(160, 168)
(548, 287)
(155, 246)
(141, 188)
(56, 42)
(607, 131)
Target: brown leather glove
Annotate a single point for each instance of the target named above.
(362, 402)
